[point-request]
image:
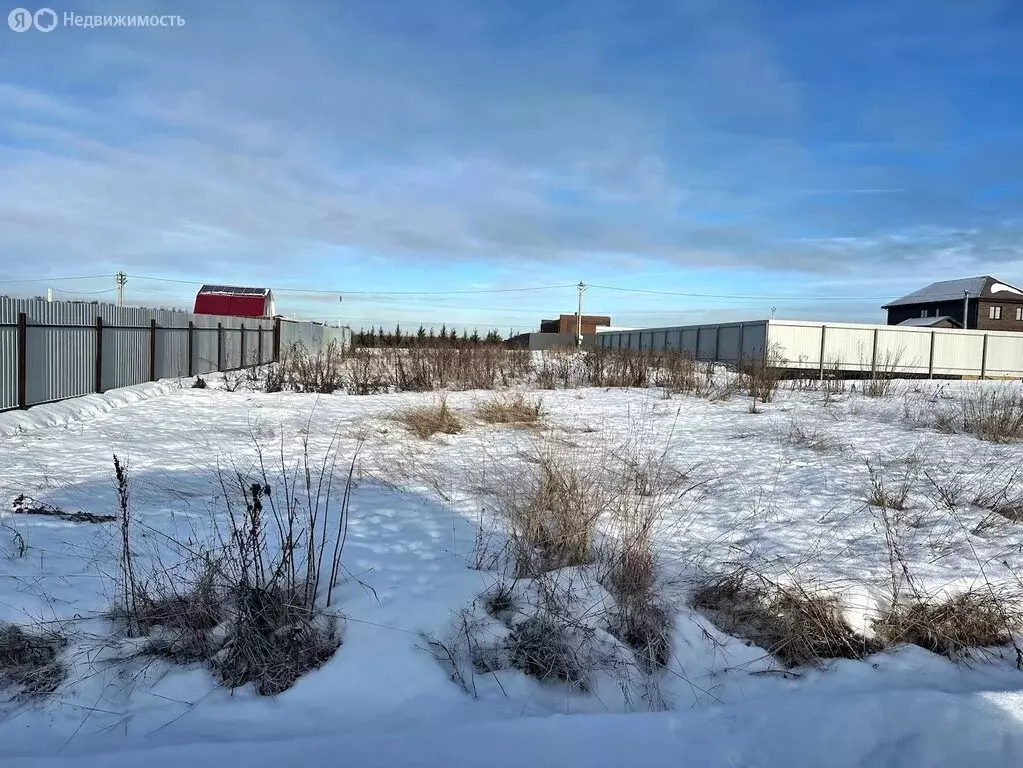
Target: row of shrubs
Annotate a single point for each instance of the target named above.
(363, 371)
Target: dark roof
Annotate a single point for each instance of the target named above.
(234, 290)
(946, 290)
(927, 322)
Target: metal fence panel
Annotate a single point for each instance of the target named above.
(9, 367)
(960, 353)
(125, 357)
(61, 363)
(1004, 355)
(204, 350)
(61, 348)
(171, 352)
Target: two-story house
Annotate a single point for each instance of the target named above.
(978, 303)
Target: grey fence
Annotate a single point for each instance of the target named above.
(723, 342)
(52, 351)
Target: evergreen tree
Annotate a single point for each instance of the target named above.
(444, 333)
(421, 334)
(397, 335)
(475, 338)
(493, 337)
(454, 335)
(431, 336)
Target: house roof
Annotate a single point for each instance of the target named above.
(233, 290)
(946, 290)
(927, 322)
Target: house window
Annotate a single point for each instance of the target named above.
(1019, 314)
(923, 313)
(994, 313)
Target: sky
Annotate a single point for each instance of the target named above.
(817, 158)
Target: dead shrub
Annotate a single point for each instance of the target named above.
(275, 638)
(30, 661)
(321, 372)
(254, 603)
(992, 415)
(1003, 496)
(812, 436)
(676, 373)
(514, 409)
(647, 629)
(500, 600)
(545, 649)
(952, 626)
(199, 383)
(797, 624)
(887, 492)
(883, 373)
(760, 378)
(427, 421)
(180, 626)
(554, 521)
(554, 370)
(618, 368)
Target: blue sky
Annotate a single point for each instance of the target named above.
(816, 157)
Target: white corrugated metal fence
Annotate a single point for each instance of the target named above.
(838, 347)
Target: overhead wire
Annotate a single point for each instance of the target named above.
(53, 279)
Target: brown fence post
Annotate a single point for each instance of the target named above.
(259, 344)
(824, 337)
(277, 340)
(983, 359)
(241, 356)
(873, 358)
(930, 362)
(220, 346)
(191, 332)
(99, 355)
(22, 360)
(152, 350)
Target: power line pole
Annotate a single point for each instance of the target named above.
(120, 279)
(579, 316)
(340, 300)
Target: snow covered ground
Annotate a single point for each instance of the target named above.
(785, 488)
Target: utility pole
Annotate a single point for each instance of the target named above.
(579, 316)
(966, 308)
(119, 280)
(773, 310)
(340, 300)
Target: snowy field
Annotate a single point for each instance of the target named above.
(784, 491)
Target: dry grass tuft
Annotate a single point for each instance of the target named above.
(546, 650)
(952, 626)
(798, 625)
(30, 661)
(992, 415)
(427, 421)
(554, 521)
(513, 409)
(891, 493)
(647, 629)
(275, 639)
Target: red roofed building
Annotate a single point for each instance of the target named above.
(234, 301)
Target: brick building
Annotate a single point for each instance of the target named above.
(567, 324)
(978, 303)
